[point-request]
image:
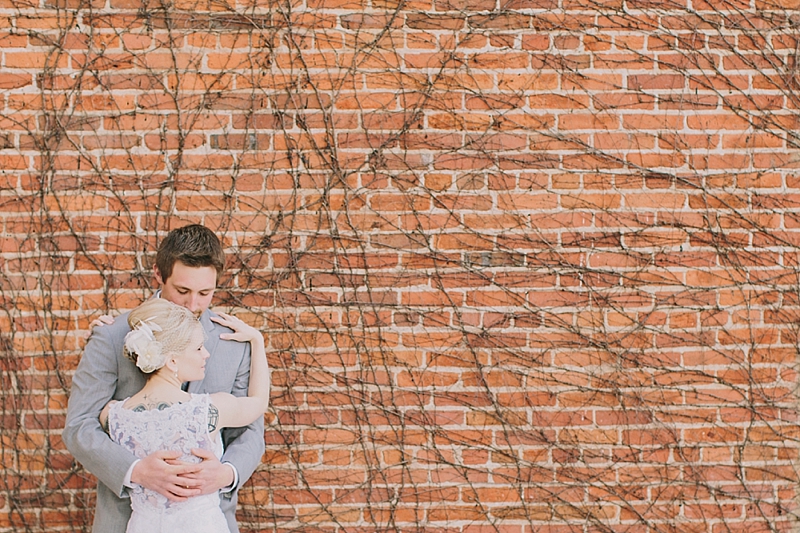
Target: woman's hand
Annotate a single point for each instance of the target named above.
(241, 332)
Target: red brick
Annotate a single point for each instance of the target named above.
(524, 283)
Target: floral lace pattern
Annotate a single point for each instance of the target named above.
(181, 427)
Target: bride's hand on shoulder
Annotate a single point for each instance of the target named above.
(242, 332)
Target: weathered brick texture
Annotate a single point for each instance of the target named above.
(522, 265)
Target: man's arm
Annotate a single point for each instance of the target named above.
(93, 385)
(244, 447)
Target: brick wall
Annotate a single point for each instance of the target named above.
(523, 265)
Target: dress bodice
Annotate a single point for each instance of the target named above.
(179, 427)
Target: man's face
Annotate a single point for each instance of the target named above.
(190, 287)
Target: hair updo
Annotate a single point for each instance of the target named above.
(159, 328)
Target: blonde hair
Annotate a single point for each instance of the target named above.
(158, 328)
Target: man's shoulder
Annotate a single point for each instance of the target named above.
(117, 330)
(209, 325)
(215, 330)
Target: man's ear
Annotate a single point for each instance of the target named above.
(157, 275)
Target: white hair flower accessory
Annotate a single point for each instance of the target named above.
(142, 342)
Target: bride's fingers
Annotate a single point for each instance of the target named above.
(222, 322)
(226, 320)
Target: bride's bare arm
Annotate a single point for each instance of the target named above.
(104, 415)
(235, 411)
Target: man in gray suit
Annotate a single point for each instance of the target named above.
(188, 263)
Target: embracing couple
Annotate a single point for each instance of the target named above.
(167, 402)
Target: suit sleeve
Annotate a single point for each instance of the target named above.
(93, 385)
(244, 447)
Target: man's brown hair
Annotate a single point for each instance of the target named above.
(194, 246)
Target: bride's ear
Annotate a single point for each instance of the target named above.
(172, 365)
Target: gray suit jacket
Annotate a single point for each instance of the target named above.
(104, 374)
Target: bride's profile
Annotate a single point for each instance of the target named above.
(166, 343)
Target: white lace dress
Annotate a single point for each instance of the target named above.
(181, 426)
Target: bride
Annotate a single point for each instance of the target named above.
(166, 343)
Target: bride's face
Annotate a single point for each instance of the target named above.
(192, 363)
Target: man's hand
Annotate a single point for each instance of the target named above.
(210, 475)
(102, 320)
(164, 473)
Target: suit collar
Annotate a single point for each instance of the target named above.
(212, 339)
